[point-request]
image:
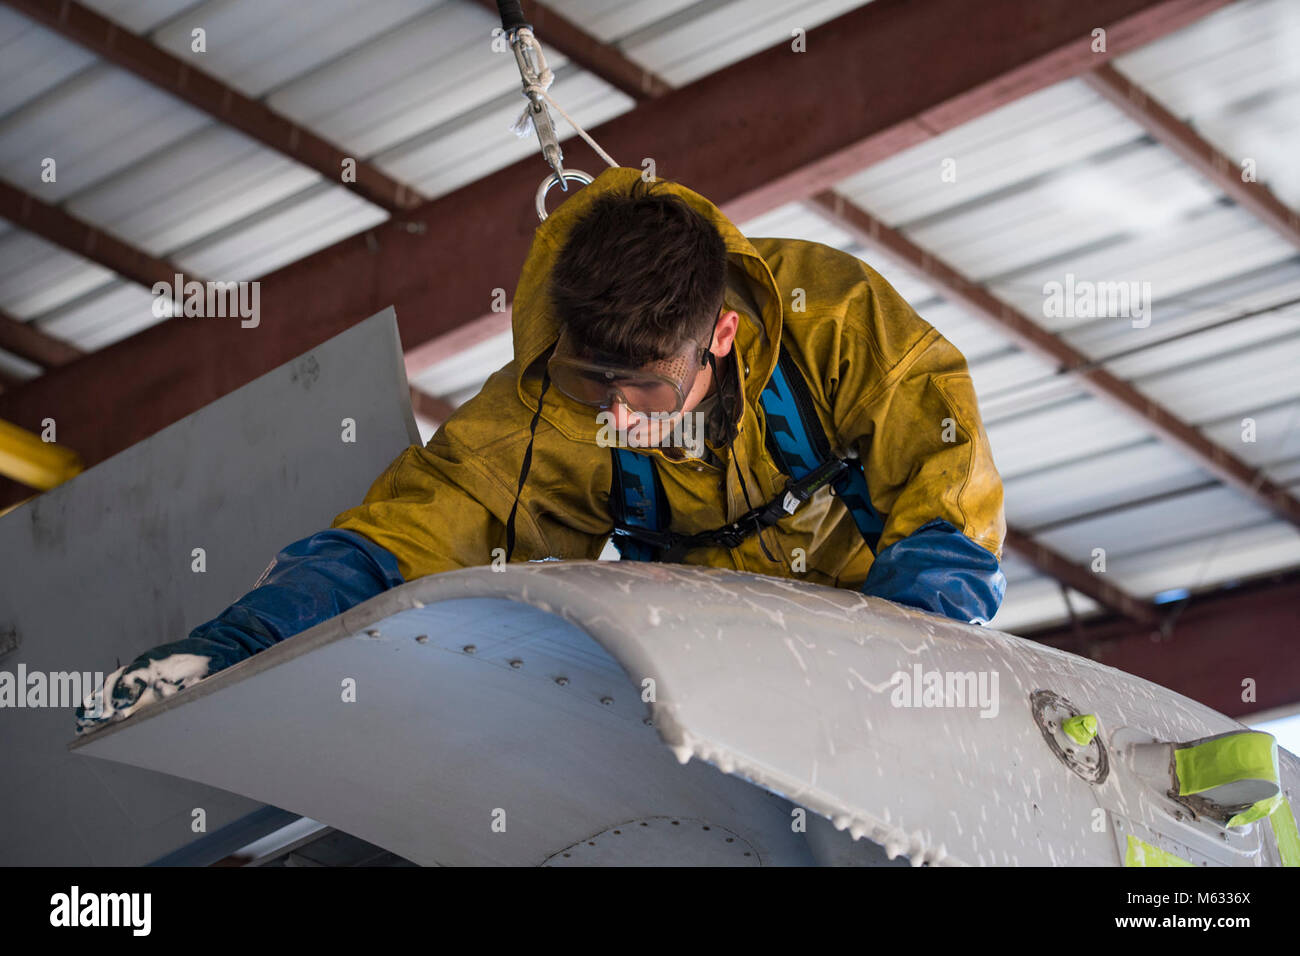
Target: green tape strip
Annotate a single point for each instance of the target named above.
(1286, 834)
(1249, 755)
(1141, 853)
(1081, 729)
(1256, 811)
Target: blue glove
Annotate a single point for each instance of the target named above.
(936, 568)
(310, 581)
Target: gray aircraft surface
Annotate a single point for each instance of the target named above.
(562, 713)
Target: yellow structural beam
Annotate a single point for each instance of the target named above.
(28, 459)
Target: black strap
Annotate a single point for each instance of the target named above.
(512, 15)
(528, 461)
(672, 546)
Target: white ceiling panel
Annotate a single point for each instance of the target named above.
(612, 20)
(1036, 603)
(118, 311)
(470, 148)
(1228, 556)
(1036, 136)
(1059, 433)
(213, 179)
(709, 36)
(1197, 516)
(100, 122)
(1097, 482)
(141, 16)
(1235, 75)
(257, 45)
(408, 81)
(36, 277)
(293, 229)
(33, 60)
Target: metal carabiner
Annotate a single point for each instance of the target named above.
(576, 175)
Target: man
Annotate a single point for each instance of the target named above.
(642, 318)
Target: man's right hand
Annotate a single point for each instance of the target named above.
(309, 581)
(152, 676)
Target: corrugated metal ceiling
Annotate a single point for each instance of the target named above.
(1057, 183)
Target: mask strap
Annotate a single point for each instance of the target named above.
(528, 460)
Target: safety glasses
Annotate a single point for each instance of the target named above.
(658, 387)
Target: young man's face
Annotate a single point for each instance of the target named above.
(644, 430)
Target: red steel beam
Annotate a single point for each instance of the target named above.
(1079, 578)
(1195, 150)
(554, 31)
(68, 232)
(151, 63)
(1208, 454)
(26, 341)
(774, 128)
(1218, 641)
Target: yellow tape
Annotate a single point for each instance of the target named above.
(1249, 755)
(1081, 729)
(1286, 834)
(1141, 853)
(1256, 811)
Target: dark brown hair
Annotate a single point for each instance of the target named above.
(639, 274)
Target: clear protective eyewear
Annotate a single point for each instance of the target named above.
(658, 387)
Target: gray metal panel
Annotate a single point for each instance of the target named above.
(460, 713)
(439, 741)
(100, 569)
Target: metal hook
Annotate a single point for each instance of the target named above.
(576, 175)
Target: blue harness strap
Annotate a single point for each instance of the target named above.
(795, 440)
(636, 500)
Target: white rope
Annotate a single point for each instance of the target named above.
(524, 125)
